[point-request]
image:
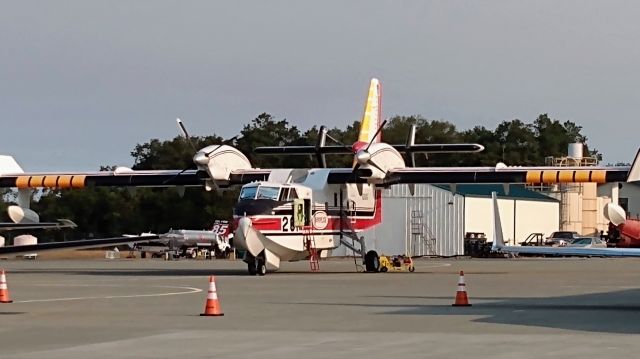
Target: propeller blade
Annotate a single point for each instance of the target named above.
(376, 166)
(185, 134)
(339, 142)
(376, 134)
(178, 174)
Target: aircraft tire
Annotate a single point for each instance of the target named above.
(252, 268)
(261, 267)
(372, 261)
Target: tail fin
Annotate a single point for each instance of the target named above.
(372, 114)
(634, 171)
(498, 238)
(9, 165)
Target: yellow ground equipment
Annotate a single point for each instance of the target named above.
(396, 263)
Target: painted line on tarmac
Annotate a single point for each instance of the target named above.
(187, 290)
(436, 265)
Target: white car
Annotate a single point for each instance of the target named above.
(588, 242)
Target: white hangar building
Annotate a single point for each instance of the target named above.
(434, 221)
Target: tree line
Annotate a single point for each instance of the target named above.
(113, 211)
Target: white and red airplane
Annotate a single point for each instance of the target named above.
(294, 214)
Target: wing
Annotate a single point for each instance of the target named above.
(125, 178)
(80, 244)
(62, 223)
(529, 175)
(572, 251)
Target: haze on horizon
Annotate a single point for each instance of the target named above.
(81, 82)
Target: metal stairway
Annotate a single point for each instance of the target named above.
(348, 232)
(310, 246)
(422, 239)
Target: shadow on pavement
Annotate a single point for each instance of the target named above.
(610, 312)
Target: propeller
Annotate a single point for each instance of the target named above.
(363, 156)
(200, 158)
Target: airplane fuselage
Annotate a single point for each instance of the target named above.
(265, 218)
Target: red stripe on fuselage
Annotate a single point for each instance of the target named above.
(275, 222)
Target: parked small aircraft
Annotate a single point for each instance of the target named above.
(499, 244)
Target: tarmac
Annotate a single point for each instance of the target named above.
(522, 308)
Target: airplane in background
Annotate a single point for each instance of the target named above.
(294, 214)
(187, 242)
(500, 247)
(21, 216)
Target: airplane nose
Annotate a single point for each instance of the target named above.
(201, 159)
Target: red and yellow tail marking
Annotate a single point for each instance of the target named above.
(372, 113)
(56, 181)
(566, 176)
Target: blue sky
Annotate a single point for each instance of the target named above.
(81, 82)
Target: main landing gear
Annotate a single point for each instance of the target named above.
(372, 261)
(256, 265)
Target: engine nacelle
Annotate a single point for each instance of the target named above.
(383, 158)
(220, 160)
(25, 240)
(22, 215)
(615, 214)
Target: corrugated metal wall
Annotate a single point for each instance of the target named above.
(441, 217)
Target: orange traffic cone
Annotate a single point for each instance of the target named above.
(4, 290)
(461, 294)
(212, 306)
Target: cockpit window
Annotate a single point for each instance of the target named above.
(265, 192)
(284, 194)
(248, 192)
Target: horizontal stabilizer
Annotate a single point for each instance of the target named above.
(441, 148)
(301, 150)
(342, 150)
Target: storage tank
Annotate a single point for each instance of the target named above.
(576, 150)
(25, 240)
(630, 232)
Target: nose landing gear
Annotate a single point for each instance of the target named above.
(256, 265)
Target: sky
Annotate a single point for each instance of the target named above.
(82, 82)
